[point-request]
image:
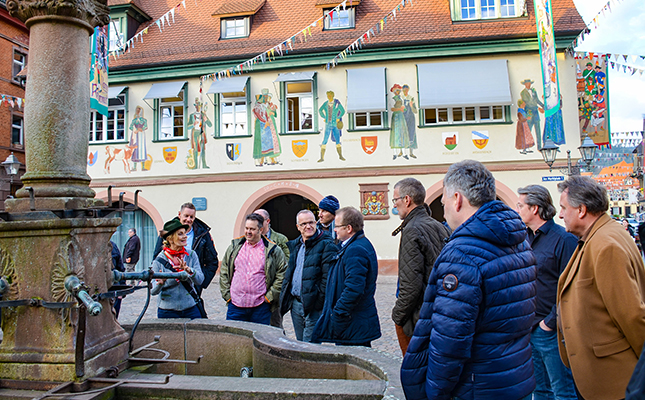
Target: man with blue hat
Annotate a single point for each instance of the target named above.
(326, 214)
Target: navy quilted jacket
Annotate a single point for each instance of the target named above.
(472, 340)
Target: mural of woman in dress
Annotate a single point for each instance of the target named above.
(138, 128)
(523, 138)
(399, 130)
(266, 143)
(408, 113)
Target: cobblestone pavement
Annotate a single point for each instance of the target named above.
(216, 308)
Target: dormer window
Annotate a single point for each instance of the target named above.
(341, 19)
(235, 27)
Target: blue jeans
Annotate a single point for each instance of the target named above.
(303, 326)
(260, 314)
(523, 398)
(192, 313)
(553, 380)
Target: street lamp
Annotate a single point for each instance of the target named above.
(11, 166)
(587, 152)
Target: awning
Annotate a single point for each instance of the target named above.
(165, 89)
(465, 83)
(115, 91)
(366, 91)
(296, 76)
(228, 85)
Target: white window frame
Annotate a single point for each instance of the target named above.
(233, 33)
(338, 15)
(115, 35)
(454, 111)
(18, 65)
(171, 103)
(369, 125)
(299, 96)
(241, 100)
(105, 120)
(482, 11)
(21, 128)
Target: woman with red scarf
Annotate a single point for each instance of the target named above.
(174, 300)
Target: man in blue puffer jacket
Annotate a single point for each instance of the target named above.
(473, 337)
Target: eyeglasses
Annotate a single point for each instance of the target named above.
(394, 199)
(308, 223)
(341, 226)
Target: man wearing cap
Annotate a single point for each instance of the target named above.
(196, 123)
(199, 240)
(534, 106)
(281, 240)
(328, 207)
(252, 272)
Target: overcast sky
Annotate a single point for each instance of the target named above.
(620, 31)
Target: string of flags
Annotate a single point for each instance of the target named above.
(365, 37)
(12, 101)
(301, 36)
(616, 61)
(160, 23)
(593, 23)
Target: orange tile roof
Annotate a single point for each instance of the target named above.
(334, 3)
(195, 34)
(240, 7)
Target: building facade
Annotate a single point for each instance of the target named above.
(14, 48)
(428, 84)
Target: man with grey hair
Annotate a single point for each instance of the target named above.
(131, 251)
(552, 246)
(422, 238)
(601, 294)
(303, 288)
(472, 340)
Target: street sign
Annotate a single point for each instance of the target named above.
(552, 178)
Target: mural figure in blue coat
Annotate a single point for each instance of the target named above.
(332, 112)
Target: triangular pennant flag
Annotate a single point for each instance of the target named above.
(158, 22)
(172, 12)
(183, 3)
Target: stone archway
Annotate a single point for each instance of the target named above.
(144, 204)
(269, 192)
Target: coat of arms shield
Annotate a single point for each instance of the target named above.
(233, 150)
(369, 143)
(299, 147)
(169, 154)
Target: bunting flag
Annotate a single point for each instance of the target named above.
(12, 101)
(99, 70)
(593, 97)
(585, 32)
(553, 125)
(160, 23)
(613, 61)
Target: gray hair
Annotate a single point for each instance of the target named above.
(264, 213)
(304, 212)
(256, 217)
(582, 190)
(351, 216)
(413, 188)
(539, 196)
(133, 230)
(188, 205)
(472, 180)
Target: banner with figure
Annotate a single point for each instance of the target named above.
(553, 125)
(593, 102)
(99, 70)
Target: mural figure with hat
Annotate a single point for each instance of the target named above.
(327, 213)
(410, 108)
(332, 112)
(196, 122)
(138, 128)
(533, 107)
(266, 142)
(523, 138)
(399, 135)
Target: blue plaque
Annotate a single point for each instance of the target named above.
(552, 178)
(199, 203)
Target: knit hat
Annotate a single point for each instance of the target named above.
(329, 203)
(171, 227)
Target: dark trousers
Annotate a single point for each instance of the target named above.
(260, 314)
(192, 313)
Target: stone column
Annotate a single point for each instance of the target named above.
(57, 101)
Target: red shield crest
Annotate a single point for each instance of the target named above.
(369, 143)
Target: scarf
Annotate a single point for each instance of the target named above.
(174, 256)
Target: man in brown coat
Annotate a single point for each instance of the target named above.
(601, 295)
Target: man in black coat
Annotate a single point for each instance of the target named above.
(200, 241)
(131, 251)
(422, 238)
(305, 281)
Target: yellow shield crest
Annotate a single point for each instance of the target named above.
(169, 154)
(299, 147)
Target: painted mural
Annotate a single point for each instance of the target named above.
(266, 142)
(592, 105)
(523, 138)
(138, 143)
(450, 140)
(299, 147)
(332, 112)
(196, 121)
(403, 127)
(369, 144)
(533, 107)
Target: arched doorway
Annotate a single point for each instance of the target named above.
(283, 210)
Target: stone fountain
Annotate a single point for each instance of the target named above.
(60, 336)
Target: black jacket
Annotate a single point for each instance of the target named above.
(131, 250)
(204, 247)
(422, 238)
(319, 254)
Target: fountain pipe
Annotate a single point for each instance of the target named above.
(76, 287)
(148, 275)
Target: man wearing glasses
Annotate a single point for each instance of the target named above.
(349, 316)
(422, 238)
(303, 288)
